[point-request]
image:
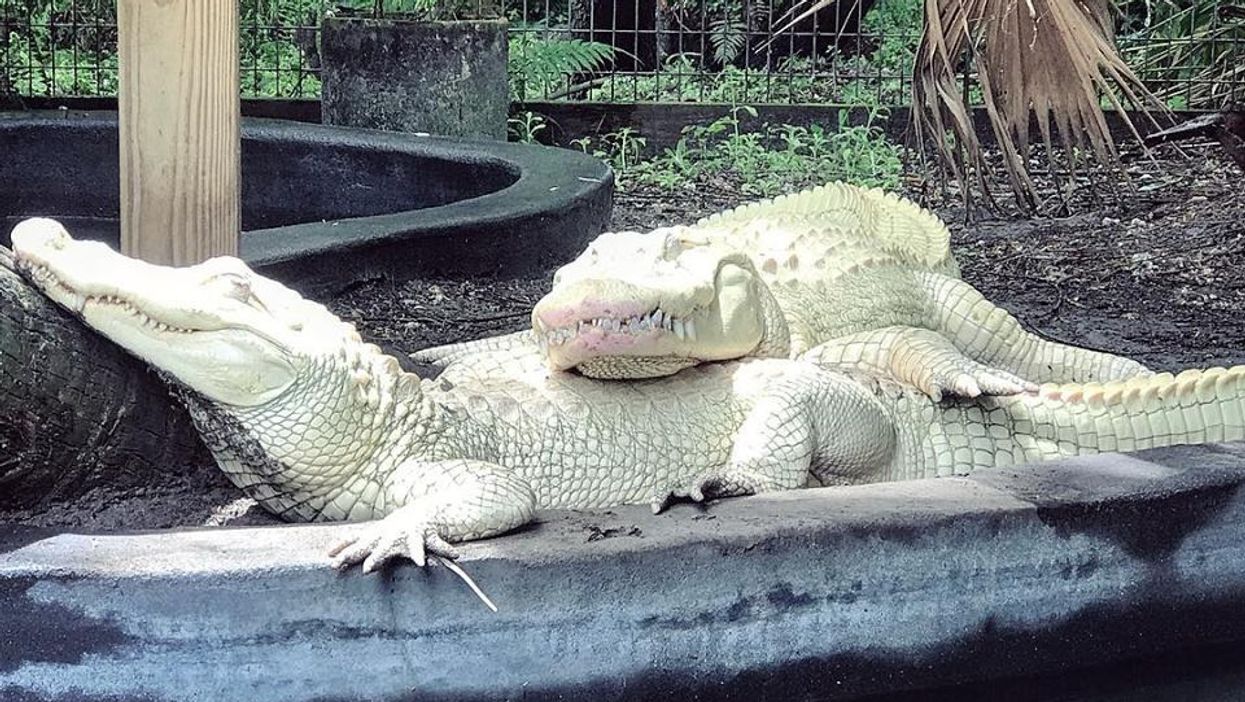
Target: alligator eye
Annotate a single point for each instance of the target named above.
(239, 289)
(674, 246)
(679, 241)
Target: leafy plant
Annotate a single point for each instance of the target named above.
(728, 32)
(425, 9)
(56, 47)
(622, 150)
(274, 68)
(69, 47)
(898, 24)
(1190, 52)
(767, 162)
(540, 66)
(525, 126)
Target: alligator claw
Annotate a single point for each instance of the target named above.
(981, 380)
(700, 489)
(384, 541)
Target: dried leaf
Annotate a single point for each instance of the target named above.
(1042, 63)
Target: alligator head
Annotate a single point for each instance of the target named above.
(274, 382)
(232, 336)
(649, 304)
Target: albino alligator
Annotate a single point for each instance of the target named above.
(864, 277)
(317, 425)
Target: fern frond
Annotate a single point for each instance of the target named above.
(538, 64)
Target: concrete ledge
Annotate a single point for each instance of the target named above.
(833, 593)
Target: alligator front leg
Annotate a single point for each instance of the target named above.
(808, 420)
(921, 358)
(992, 336)
(439, 502)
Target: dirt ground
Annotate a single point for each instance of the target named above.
(1152, 270)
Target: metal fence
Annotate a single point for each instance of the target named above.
(1192, 52)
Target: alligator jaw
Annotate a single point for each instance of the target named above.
(46, 280)
(580, 341)
(200, 323)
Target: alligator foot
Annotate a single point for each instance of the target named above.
(968, 378)
(710, 486)
(921, 358)
(382, 541)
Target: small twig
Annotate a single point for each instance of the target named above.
(458, 570)
(13, 477)
(1054, 310)
(1079, 343)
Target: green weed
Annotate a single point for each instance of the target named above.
(525, 126)
(772, 160)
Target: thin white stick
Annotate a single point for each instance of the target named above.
(457, 570)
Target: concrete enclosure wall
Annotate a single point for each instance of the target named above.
(443, 78)
(832, 593)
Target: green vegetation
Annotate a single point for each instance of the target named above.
(1184, 48)
(420, 9)
(44, 56)
(1188, 51)
(763, 163)
(274, 61)
(69, 48)
(542, 63)
(875, 77)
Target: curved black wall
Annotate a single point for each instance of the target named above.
(325, 206)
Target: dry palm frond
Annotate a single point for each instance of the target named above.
(1045, 59)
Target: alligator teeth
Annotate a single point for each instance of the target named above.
(634, 325)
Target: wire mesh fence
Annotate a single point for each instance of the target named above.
(733, 51)
(1191, 52)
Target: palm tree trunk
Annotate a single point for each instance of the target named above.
(77, 411)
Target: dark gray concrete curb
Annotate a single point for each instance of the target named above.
(829, 593)
(324, 207)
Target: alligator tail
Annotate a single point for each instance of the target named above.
(1196, 406)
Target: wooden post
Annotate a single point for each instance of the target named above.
(179, 124)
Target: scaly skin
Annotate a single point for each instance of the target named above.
(782, 277)
(317, 425)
